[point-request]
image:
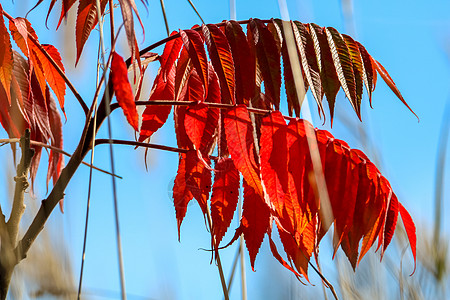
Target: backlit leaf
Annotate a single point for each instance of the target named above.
(123, 91)
(222, 60)
(86, 20)
(224, 199)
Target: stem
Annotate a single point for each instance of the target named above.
(163, 8)
(40, 144)
(22, 184)
(219, 263)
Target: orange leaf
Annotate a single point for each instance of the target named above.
(123, 91)
(6, 57)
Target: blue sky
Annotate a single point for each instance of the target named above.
(410, 38)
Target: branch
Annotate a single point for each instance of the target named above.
(22, 184)
(47, 205)
(40, 144)
(139, 144)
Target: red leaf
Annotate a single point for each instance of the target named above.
(192, 92)
(193, 180)
(55, 159)
(181, 193)
(86, 20)
(198, 177)
(195, 123)
(239, 134)
(154, 116)
(66, 5)
(127, 7)
(6, 57)
(212, 119)
(224, 199)
(328, 75)
(343, 64)
(39, 63)
(268, 59)
(222, 60)
(244, 62)
(358, 70)
(410, 230)
(391, 222)
(193, 42)
(305, 45)
(368, 68)
(254, 222)
(273, 152)
(387, 78)
(170, 54)
(123, 91)
(54, 79)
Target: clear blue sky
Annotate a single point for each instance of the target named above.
(410, 38)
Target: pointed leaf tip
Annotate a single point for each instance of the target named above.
(123, 91)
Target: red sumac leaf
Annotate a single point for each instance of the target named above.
(195, 123)
(254, 222)
(86, 20)
(328, 75)
(6, 57)
(224, 199)
(343, 64)
(170, 55)
(193, 42)
(387, 78)
(273, 152)
(222, 60)
(305, 45)
(239, 134)
(123, 91)
(244, 62)
(268, 59)
(410, 230)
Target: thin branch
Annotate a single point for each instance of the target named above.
(163, 8)
(329, 285)
(233, 269)
(107, 108)
(196, 11)
(139, 144)
(259, 111)
(219, 263)
(22, 184)
(56, 66)
(40, 144)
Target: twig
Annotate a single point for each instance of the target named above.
(55, 65)
(107, 108)
(329, 285)
(219, 263)
(40, 144)
(233, 269)
(163, 8)
(196, 11)
(22, 184)
(139, 144)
